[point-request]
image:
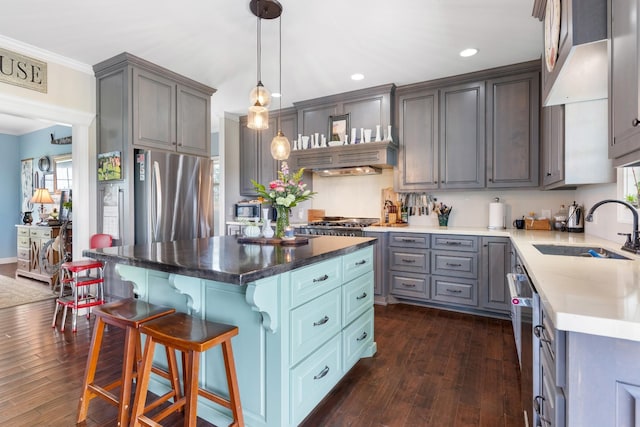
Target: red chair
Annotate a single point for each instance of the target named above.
(86, 280)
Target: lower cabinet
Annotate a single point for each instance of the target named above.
(409, 264)
(495, 257)
(33, 249)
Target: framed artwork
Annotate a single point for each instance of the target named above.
(109, 166)
(26, 171)
(338, 126)
(65, 196)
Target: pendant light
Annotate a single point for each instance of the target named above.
(260, 97)
(280, 147)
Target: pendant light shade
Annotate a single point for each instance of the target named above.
(258, 117)
(261, 95)
(280, 147)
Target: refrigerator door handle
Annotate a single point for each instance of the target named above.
(156, 204)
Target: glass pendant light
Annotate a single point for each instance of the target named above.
(280, 147)
(260, 97)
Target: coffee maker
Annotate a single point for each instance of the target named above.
(575, 219)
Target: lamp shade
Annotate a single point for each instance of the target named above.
(258, 117)
(280, 147)
(260, 95)
(42, 196)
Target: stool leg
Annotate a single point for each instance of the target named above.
(55, 315)
(142, 382)
(64, 318)
(191, 389)
(131, 340)
(234, 392)
(90, 370)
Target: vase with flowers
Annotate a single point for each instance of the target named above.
(284, 193)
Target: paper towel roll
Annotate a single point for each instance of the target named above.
(497, 215)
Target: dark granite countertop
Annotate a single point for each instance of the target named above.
(224, 259)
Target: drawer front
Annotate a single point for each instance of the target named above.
(552, 342)
(550, 406)
(23, 242)
(357, 263)
(23, 231)
(408, 240)
(315, 322)
(23, 265)
(314, 378)
(454, 243)
(410, 285)
(355, 338)
(316, 279)
(454, 290)
(40, 233)
(413, 260)
(454, 264)
(357, 297)
(24, 253)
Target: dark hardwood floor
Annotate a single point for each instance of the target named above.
(433, 368)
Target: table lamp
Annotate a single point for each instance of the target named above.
(42, 196)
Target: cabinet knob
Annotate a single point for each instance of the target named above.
(548, 173)
(635, 122)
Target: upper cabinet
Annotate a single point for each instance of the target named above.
(478, 130)
(624, 93)
(167, 111)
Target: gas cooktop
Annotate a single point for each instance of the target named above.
(339, 221)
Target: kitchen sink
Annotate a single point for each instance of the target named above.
(582, 251)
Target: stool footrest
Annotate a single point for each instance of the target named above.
(104, 393)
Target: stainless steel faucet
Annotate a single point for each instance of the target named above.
(633, 243)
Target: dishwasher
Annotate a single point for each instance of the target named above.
(525, 303)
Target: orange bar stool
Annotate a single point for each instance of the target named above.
(191, 336)
(127, 314)
(86, 280)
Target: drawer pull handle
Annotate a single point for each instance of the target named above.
(538, 331)
(452, 243)
(321, 279)
(409, 285)
(363, 336)
(322, 373)
(364, 261)
(453, 264)
(408, 240)
(454, 291)
(409, 261)
(322, 321)
(364, 295)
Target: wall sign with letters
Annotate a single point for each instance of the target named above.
(20, 70)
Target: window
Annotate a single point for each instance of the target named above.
(631, 185)
(63, 172)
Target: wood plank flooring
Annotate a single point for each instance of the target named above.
(433, 368)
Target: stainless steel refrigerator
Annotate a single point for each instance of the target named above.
(173, 197)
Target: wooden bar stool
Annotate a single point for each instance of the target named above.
(128, 314)
(191, 336)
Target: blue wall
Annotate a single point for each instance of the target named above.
(12, 150)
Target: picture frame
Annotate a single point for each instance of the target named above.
(338, 127)
(65, 196)
(26, 182)
(109, 166)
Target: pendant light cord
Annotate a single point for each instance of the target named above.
(280, 73)
(259, 30)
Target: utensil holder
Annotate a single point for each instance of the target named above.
(443, 220)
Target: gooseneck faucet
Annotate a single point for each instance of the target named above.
(632, 244)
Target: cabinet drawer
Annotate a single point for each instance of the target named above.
(23, 265)
(355, 338)
(550, 405)
(454, 242)
(23, 242)
(40, 233)
(357, 263)
(309, 282)
(357, 297)
(413, 260)
(314, 378)
(313, 323)
(454, 290)
(24, 253)
(454, 264)
(552, 344)
(410, 285)
(407, 240)
(23, 231)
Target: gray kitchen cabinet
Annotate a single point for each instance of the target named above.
(550, 403)
(552, 140)
(454, 269)
(380, 256)
(513, 111)
(408, 266)
(495, 260)
(256, 161)
(624, 83)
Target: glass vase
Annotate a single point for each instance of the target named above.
(282, 221)
(443, 220)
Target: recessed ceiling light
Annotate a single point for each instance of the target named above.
(357, 76)
(468, 52)
(276, 95)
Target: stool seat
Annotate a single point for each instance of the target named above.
(191, 336)
(81, 265)
(127, 314)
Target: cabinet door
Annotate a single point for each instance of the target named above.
(496, 260)
(154, 111)
(249, 158)
(315, 119)
(552, 144)
(513, 131)
(194, 124)
(623, 80)
(418, 146)
(462, 125)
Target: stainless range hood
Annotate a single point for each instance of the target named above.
(347, 160)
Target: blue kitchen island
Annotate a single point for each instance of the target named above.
(304, 313)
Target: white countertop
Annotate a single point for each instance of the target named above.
(588, 295)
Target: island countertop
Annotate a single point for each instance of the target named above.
(223, 259)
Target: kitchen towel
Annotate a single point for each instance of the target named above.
(496, 215)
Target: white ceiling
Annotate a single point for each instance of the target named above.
(323, 42)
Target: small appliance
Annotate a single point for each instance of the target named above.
(253, 209)
(575, 219)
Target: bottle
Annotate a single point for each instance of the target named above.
(560, 219)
